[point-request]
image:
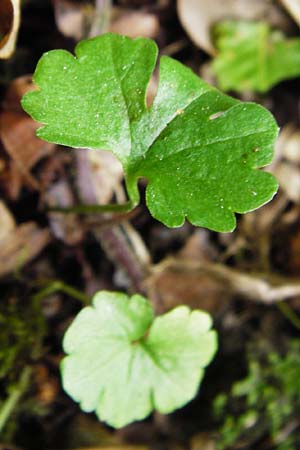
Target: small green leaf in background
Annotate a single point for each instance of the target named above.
(252, 57)
(123, 362)
(261, 406)
(197, 147)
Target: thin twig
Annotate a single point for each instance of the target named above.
(261, 288)
(101, 17)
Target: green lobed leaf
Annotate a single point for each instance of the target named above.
(197, 147)
(123, 363)
(253, 57)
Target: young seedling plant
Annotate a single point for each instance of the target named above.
(199, 151)
(253, 57)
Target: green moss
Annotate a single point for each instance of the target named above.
(264, 404)
(22, 328)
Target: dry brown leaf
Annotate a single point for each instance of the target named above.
(106, 174)
(134, 23)
(174, 286)
(198, 290)
(263, 288)
(293, 8)
(11, 180)
(80, 20)
(288, 144)
(288, 176)
(15, 91)
(73, 19)
(20, 246)
(66, 227)
(261, 222)
(193, 278)
(17, 133)
(9, 26)
(198, 16)
(286, 166)
(7, 222)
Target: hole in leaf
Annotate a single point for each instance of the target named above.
(216, 115)
(152, 88)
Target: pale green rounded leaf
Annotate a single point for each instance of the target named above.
(123, 363)
(198, 148)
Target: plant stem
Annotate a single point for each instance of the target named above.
(114, 240)
(56, 286)
(102, 17)
(14, 397)
(289, 314)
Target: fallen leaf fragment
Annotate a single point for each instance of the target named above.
(15, 91)
(72, 18)
(172, 287)
(106, 174)
(79, 20)
(17, 133)
(7, 222)
(18, 136)
(20, 246)
(293, 7)
(286, 166)
(288, 144)
(288, 176)
(64, 227)
(251, 287)
(198, 290)
(134, 23)
(9, 26)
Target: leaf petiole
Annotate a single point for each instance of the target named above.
(94, 209)
(59, 286)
